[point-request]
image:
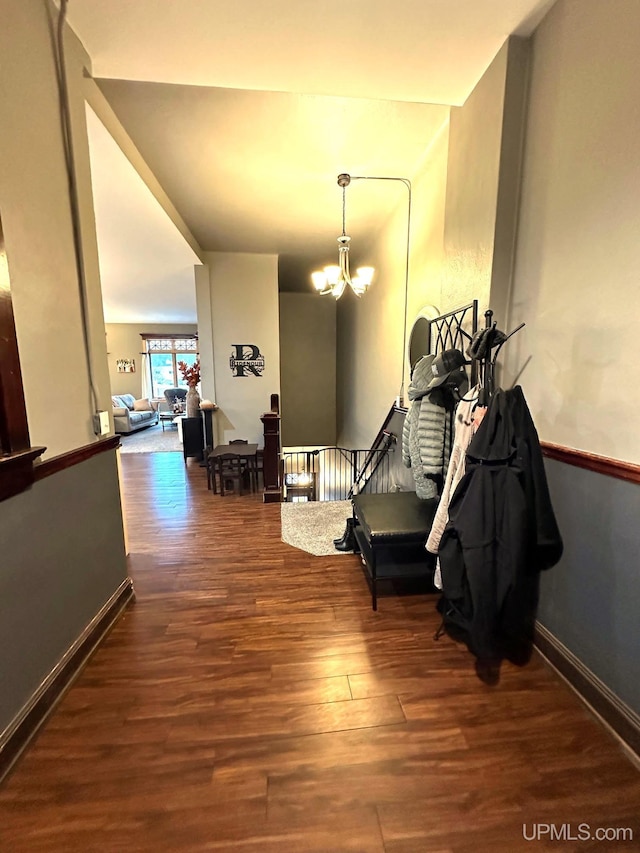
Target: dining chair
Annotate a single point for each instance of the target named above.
(246, 465)
(231, 469)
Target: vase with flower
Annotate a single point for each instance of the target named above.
(191, 375)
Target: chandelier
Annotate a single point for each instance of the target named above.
(334, 278)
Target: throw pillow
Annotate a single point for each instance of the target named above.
(142, 405)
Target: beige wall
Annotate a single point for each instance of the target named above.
(205, 333)
(484, 173)
(62, 540)
(472, 189)
(370, 332)
(462, 243)
(124, 341)
(307, 369)
(244, 310)
(36, 218)
(371, 329)
(427, 273)
(578, 252)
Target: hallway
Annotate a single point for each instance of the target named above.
(250, 700)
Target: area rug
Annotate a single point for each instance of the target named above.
(151, 440)
(313, 526)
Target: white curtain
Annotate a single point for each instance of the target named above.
(147, 388)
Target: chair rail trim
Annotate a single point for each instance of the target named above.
(592, 462)
(74, 457)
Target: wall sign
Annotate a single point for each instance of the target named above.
(246, 360)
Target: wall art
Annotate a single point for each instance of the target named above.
(126, 365)
(246, 360)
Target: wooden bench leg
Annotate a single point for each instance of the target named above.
(374, 581)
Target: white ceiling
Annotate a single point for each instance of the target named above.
(257, 171)
(247, 111)
(146, 266)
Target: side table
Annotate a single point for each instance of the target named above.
(166, 417)
(192, 437)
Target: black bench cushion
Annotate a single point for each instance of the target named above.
(394, 516)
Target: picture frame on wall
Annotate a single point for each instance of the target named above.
(126, 365)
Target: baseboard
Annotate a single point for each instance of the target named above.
(602, 701)
(17, 736)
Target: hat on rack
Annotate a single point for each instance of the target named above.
(484, 341)
(448, 368)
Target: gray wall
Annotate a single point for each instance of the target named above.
(590, 601)
(307, 369)
(61, 542)
(63, 557)
(575, 286)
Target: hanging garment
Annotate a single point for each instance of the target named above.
(463, 433)
(501, 533)
(425, 433)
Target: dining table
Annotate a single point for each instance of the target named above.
(239, 452)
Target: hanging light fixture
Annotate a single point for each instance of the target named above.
(334, 279)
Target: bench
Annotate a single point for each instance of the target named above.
(390, 532)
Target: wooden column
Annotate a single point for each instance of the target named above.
(16, 454)
(271, 473)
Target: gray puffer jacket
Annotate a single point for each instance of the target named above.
(425, 433)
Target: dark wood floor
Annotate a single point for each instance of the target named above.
(252, 701)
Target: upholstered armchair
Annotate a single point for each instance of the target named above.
(176, 395)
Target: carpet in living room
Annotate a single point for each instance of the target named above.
(152, 440)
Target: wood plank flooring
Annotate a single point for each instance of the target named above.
(251, 700)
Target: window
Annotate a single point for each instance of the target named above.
(164, 355)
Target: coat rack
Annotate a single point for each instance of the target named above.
(487, 364)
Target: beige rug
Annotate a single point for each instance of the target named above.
(313, 526)
(152, 440)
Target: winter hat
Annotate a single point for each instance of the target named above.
(448, 367)
(484, 340)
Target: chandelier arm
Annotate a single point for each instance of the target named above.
(344, 211)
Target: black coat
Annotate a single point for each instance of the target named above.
(501, 533)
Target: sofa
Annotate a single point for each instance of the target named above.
(130, 414)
